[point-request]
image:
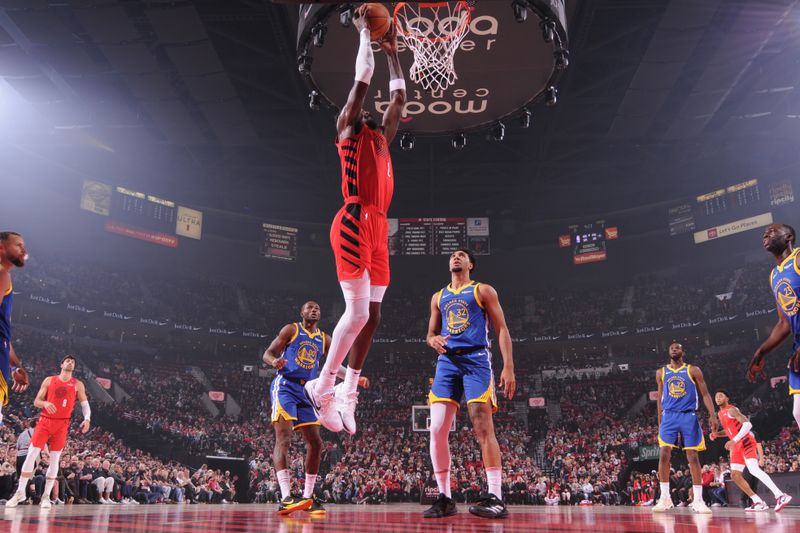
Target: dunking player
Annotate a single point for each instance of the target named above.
(295, 353)
(12, 254)
(780, 240)
(744, 453)
(459, 332)
(679, 389)
(56, 399)
(359, 234)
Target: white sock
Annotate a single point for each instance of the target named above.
(494, 479)
(443, 482)
(755, 469)
(351, 380)
(308, 490)
(664, 490)
(356, 314)
(285, 481)
(756, 498)
(697, 490)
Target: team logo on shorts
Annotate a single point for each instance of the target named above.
(676, 387)
(307, 355)
(457, 314)
(786, 297)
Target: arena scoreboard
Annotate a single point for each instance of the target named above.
(144, 210)
(438, 236)
(280, 242)
(588, 242)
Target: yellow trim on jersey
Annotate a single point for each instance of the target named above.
(771, 276)
(312, 335)
(296, 333)
(781, 266)
(675, 370)
(796, 267)
(432, 398)
(700, 447)
(793, 391)
(478, 296)
(662, 444)
(454, 291)
(10, 289)
(689, 373)
(306, 424)
(439, 299)
(487, 396)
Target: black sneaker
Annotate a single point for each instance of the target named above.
(489, 506)
(443, 506)
(291, 504)
(316, 508)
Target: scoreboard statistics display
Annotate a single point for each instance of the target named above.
(726, 204)
(143, 210)
(438, 236)
(588, 242)
(280, 242)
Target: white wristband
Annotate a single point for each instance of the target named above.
(397, 84)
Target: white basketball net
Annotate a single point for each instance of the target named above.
(433, 32)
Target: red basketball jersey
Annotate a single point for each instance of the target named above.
(367, 176)
(62, 395)
(730, 424)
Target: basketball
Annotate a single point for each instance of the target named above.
(20, 376)
(378, 20)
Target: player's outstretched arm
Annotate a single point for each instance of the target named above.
(491, 302)
(272, 355)
(40, 401)
(697, 376)
(434, 339)
(365, 66)
(397, 86)
(780, 332)
(80, 394)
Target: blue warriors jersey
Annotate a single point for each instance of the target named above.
(785, 283)
(302, 354)
(5, 314)
(679, 391)
(463, 318)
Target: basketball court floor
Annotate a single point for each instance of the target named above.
(394, 518)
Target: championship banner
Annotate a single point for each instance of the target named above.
(217, 396)
(189, 223)
(653, 395)
(103, 382)
(536, 402)
(155, 237)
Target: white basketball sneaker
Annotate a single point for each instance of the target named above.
(324, 406)
(781, 502)
(759, 507)
(45, 503)
(663, 504)
(15, 500)
(346, 405)
(700, 507)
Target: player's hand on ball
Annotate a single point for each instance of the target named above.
(359, 18)
(389, 41)
(21, 380)
(49, 407)
(756, 368)
(363, 382)
(729, 445)
(84, 427)
(508, 383)
(439, 343)
(279, 363)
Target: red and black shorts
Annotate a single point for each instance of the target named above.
(360, 240)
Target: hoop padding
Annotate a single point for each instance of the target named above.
(433, 32)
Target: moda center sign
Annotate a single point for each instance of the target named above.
(738, 226)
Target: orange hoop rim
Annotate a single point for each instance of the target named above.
(432, 5)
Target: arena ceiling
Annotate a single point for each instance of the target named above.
(201, 100)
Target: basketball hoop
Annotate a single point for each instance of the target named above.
(433, 31)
